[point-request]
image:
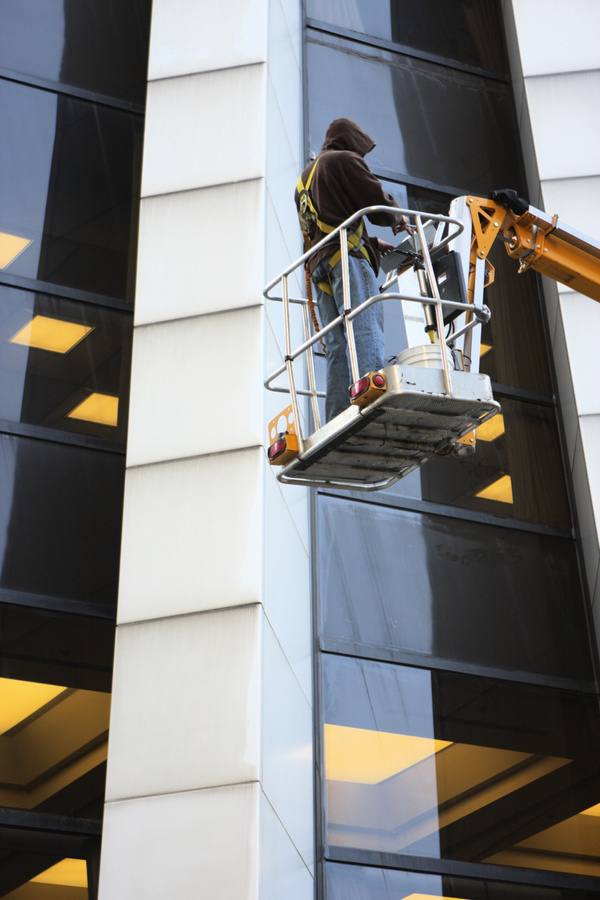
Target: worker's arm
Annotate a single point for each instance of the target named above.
(363, 189)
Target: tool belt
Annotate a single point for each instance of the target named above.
(308, 216)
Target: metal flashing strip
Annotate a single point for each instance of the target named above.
(49, 822)
(515, 393)
(58, 604)
(58, 290)
(456, 868)
(429, 507)
(417, 660)
(56, 87)
(55, 436)
(404, 49)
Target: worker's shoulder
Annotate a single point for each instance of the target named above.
(342, 158)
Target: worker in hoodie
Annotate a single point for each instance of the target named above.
(330, 190)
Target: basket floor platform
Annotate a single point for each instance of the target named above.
(371, 448)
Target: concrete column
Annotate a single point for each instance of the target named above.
(209, 787)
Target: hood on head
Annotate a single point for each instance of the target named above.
(344, 134)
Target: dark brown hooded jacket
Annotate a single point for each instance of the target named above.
(342, 184)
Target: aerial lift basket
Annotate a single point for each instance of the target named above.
(400, 416)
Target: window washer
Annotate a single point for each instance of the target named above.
(331, 189)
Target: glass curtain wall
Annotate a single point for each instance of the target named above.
(458, 723)
(72, 94)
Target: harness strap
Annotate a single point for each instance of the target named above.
(355, 241)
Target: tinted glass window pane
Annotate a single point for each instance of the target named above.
(429, 122)
(54, 741)
(41, 645)
(63, 364)
(54, 709)
(516, 470)
(362, 883)
(449, 588)
(464, 30)
(25, 873)
(514, 337)
(69, 173)
(60, 520)
(98, 45)
(455, 767)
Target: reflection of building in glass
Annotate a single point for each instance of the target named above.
(69, 179)
(382, 696)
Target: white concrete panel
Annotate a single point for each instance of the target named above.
(296, 500)
(565, 389)
(276, 402)
(196, 386)
(585, 515)
(581, 320)
(566, 132)
(561, 36)
(285, 76)
(200, 252)
(576, 201)
(188, 37)
(283, 171)
(287, 769)
(292, 10)
(185, 846)
(204, 130)
(281, 250)
(287, 594)
(283, 873)
(186, 709)
(192, 536)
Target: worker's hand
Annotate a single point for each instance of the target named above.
(384, 247)
(403, 226)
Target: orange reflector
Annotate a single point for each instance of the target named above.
(284, 449)
(276, 449)
(359, 388)
(367, 388)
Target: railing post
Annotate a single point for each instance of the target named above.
(288, 359)
(439, 318)
(348, 306)
(310, 366)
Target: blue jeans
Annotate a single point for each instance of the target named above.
(368, 329)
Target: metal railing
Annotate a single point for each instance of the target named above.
(429, 296)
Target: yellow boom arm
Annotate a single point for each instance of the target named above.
(538, 241)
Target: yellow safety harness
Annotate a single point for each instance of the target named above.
(308, 216)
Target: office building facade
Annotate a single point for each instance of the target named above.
(313, 692)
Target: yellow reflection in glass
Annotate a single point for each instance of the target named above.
(68, 872)
(426, 897)
(46, 333)
(484, 348)
(100, 408)
(363, 756)
(11, 246)
(592, 811)
(491, 429)
(500, 490)
(20, 699)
